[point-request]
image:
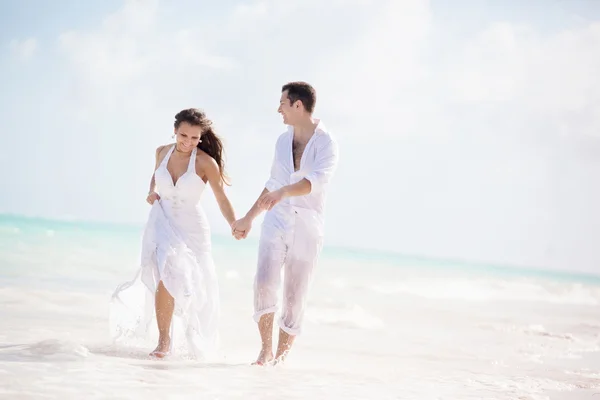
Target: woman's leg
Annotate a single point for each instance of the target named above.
(164, 305)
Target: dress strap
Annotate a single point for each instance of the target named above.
(192, 162)
(165, 160)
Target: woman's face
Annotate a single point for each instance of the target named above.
(187, 136)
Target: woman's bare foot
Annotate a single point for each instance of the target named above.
(264, 357)
(163, 348)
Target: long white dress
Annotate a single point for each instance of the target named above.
(176, 248)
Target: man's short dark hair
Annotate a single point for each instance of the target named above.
(301, 91)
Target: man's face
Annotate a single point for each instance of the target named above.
(288, 111)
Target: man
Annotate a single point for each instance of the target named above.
(306, 157)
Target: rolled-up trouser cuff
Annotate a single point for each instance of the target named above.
(259, 314)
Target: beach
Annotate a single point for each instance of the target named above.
(377, 327)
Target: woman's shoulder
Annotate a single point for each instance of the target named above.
(204, 161)
(202, 157)
(161, 151)
(163, 147)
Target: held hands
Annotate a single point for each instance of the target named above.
(152, 197)
(241, 228)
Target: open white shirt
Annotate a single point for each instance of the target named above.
(318, 164)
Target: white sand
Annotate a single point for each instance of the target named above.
(374, 331)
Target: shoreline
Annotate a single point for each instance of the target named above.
(342, 252)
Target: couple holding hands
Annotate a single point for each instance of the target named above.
(177, 272)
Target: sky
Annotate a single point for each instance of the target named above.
(468, 131)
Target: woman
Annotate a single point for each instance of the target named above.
(177, 272)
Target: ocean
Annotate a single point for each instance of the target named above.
(378, 326)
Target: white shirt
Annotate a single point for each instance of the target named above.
(318, 164)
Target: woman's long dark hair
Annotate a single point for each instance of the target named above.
(210, 143)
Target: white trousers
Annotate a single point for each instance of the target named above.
(290, 238)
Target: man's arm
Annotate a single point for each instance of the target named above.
(255, 210)
(297, 189)
(270, 199)
(324, 168)
(241, 227)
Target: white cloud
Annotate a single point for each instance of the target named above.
(551, 76)
(250, 12)
(130, 62)
(449, 147)
(23, 50)
(380, 75)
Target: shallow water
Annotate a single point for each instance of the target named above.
(376, 328)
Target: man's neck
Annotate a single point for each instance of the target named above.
(305, 129)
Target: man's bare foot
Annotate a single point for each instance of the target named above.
(280, 358)
(284, 346)
(163, 348)
(264, 357)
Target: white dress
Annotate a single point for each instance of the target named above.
(176, 248)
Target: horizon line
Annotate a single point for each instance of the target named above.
(363, 251)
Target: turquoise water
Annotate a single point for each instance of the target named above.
(469, 330)
(39, 233)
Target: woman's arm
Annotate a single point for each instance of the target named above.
(152, 195)
(213, 175)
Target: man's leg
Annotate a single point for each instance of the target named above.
(284, 345)
(271, 255)
(265, 328)
(299, 269)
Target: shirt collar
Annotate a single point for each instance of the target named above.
(320, 128)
